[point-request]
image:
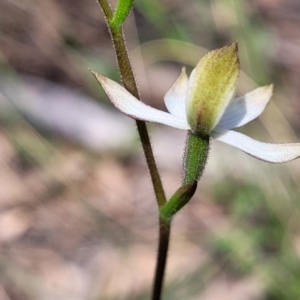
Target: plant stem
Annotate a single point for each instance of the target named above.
(195, 157)
(130, 84)
(107, 11)
(163, 246)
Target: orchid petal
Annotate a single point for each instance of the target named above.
(175, 97)
(273, 153)
(211, 88)
(245, 109)
(132, 107)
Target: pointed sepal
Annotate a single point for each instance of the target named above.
(273, 153)
(132, 107)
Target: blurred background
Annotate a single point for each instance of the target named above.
(78, 217)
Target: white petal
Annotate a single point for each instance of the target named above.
(131, 106)
(273, 153)
(244, 109)
(175, 97)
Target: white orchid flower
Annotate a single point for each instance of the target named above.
(205, 104)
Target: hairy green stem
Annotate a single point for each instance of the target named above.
(130, 84)
(163, 246)
(195, 157)
(107, 11)
(122, 11)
